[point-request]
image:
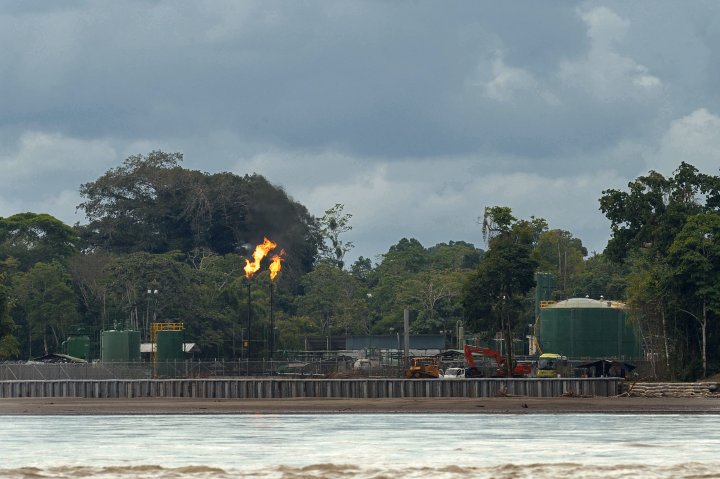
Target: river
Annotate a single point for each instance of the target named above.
(378, 446)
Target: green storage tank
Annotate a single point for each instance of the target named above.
(78, 346)
(120, 346)
(169, 346)
(544, 287)
(587, 328)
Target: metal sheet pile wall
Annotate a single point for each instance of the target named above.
(312, 388)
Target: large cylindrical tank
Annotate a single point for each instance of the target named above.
(169, 346)
(587, 328)
(544, 287)
(134, 340)
(78, 346)
(120, 346)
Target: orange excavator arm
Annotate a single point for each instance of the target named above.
(519, 370)
(491, 353)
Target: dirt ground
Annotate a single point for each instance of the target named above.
(504, 405)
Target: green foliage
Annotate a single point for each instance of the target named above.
(599, 277)
(695, 257)
(455, 255)
(558, 252)
(152, 204)
(667, 227)
(361, 270)
(334, 300)
(433, 294)
(695, 261)
(655, 209)
(496, 221)
(28, 238)
(130, 277)
(407, 256)
(9, 346)
(500, 283)
(45, 304)
(333, 224)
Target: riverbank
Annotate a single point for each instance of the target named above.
(499, 405)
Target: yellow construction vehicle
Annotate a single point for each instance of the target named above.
(423, 367)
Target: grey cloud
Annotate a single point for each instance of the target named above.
(354, 102)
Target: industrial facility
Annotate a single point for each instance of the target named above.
(570, 337)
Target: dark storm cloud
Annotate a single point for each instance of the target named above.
(423, 112)
(374, 79)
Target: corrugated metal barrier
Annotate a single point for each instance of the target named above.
(311, 388)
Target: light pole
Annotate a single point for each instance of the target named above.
(150, 293)
(249, 320)
(272, 324)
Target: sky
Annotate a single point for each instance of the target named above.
(414, 115)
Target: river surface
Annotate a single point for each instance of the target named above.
(377, 446)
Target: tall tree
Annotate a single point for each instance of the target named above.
(46, 303)
(332, 225)
(151, 204)
(558, 252)
(495, 293)
(695, 257)
(659, 219)
(649, 302)
(9, 345)
(335, 300)
(655, 209)
(496, 220)
(431, 293)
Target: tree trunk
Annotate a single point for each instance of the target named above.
(665, 339)
(704, 340)
(509, 362)
(55, 336)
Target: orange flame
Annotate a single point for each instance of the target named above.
(260, 252)
(276, 266)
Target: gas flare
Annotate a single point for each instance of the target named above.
(260, 252)
(276, 265)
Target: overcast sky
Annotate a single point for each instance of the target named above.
(413, 114)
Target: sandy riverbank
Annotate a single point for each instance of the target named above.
(504, 405)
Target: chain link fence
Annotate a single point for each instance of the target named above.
(320, 368)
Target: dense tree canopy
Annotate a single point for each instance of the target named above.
(665, 229)
(495, 292)
(27, 238)
(152, 204)
(9, 345)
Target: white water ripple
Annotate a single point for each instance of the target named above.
(360, 446)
